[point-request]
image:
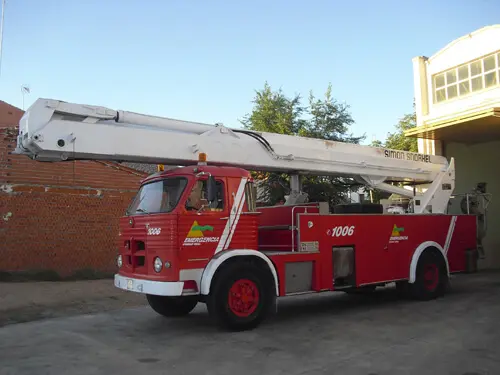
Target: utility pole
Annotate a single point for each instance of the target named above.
(1, 35)
(25, 89)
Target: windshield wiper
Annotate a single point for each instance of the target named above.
(137, 210)
(142, 210)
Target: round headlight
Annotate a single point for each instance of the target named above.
(119, 261)
(158, 264)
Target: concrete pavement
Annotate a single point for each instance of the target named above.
(321, 334)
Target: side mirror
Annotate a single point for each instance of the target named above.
(211, 189)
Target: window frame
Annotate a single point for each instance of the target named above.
(137, 197)
(219, 181)
(251, 196)
(448, 86)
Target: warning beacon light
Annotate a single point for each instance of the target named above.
(202, 158)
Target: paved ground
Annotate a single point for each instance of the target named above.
(28, 301)
(326, 334)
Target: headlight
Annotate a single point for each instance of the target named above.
(157, 264)
(119, 261)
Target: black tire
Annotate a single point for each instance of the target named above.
(172, 306)
(431, 279)
(358, 208)
(232, 289)
(402, 289)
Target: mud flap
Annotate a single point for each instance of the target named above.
(274, 306)
(471, 257)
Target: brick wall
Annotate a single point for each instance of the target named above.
(60, 217)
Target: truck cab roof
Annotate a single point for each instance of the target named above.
(215, 171)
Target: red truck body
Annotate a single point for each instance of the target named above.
(298, 249)
(194, 234)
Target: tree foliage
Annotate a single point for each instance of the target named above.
(323, 118)
(329, 120)
(274, 112)
(397, 140)
(377, 143)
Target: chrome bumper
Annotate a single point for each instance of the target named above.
(158, 288)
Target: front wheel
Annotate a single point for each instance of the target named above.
(172, 306)
(431, 277)
(241, 296)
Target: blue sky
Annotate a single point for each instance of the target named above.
(202, 60)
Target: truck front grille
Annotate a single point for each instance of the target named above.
(136, 255)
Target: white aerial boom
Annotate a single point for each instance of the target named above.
(53, 130)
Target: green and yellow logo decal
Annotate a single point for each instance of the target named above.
(196, 235)
(396, 234)
(198, 230)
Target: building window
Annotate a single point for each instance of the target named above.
(465, 79)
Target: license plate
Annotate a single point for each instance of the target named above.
(130, 284)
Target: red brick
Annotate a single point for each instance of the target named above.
(59, 216)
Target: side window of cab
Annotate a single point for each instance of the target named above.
(197, 199)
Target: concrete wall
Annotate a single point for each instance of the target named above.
(481, 43)
(451, 59)
(479, 163)
(468, 70)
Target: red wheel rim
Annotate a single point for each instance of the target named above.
(243, 298)
(431, 276)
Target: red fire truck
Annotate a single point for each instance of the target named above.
(194, 234)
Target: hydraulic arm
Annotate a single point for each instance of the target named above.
(53, 130)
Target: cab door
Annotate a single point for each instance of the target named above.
(201, 224)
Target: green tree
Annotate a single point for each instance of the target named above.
(324, 118)
(274, 112)
(376, 143)
(329, 120)
(397, 140)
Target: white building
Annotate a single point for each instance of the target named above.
(457, 97)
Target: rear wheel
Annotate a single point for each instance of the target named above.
(402, 289)
(172, 306)
(431, 278)
(241, 296)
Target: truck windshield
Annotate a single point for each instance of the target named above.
(157, 197)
